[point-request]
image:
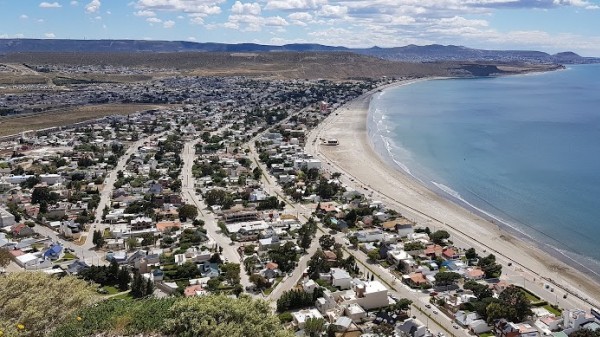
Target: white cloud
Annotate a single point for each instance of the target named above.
(74, 3)
(330, 11)
(23, 17)
(169, 24)
(154, 20)
(50, 35)
(250, 8)
(275, 21)
(50, 5)
(93, 6)
(40, 20)
(186, 6)
(144, 13)
(300, 18)
(191, 38)
(294, 4)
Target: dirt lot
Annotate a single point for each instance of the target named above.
(13, 125)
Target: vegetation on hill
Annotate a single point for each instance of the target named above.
(34, 303)
(214, 315)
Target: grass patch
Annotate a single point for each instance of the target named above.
(123, 296)
(69, 256)
(125, 317)
(111, 290)
(486, 334)
(556, 312)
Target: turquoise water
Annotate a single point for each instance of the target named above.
(524, 150)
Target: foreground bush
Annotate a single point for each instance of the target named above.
(34, 303)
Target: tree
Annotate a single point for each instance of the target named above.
(353, 241)
(403, 304)
(438, 237)
(98, 239)
(132, 243)
(412, 246)
(318, 264)
(326, 242)
(470, 254)
(314, 326)
(220, 315)
(515, 298)
(374, 255)
(480, 290)
(27, 297)
(490, 267)
(5, 257)
(123, 279)
(231, 273)
(187, 211)
(43, 194)
(446, 278)
(259, 281)
(256, 173)
(585, 333)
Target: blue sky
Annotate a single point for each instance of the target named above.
(547, 25)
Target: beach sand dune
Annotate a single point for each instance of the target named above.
(355, 157)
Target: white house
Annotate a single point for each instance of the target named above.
(300, 317)
(573, 320)
(6, 218)
(308, 163)
(340, 278)
(370, 236)
(371, 295)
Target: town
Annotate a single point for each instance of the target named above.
(223, 193)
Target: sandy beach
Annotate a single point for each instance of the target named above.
(363, 168)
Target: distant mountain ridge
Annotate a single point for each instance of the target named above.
(410, 53)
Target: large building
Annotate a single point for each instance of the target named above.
(6, 218)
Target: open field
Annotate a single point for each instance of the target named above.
(14, 125)
(305, 65)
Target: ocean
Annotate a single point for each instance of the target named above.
(523, 150)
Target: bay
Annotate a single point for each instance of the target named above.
(523, 150)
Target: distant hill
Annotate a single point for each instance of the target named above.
(410, 53)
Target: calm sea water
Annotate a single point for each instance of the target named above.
(522, 149)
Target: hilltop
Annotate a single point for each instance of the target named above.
(410, 53)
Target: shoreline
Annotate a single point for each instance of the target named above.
(356, 157)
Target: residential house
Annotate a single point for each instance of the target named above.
(194, 290)
(69, 229)
(21, 230)
(474, 274)
(271, 271)
(415, 279)
(370, 236)
(76, 267)
(300, 317)
(574, 319)
(340, 278)
(411, 327)
(6, 218)
(54, 252)
(503, 328)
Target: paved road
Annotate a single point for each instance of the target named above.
(189, 195)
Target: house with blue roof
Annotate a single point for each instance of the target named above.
(54, 252)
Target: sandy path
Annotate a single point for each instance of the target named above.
(356, 158)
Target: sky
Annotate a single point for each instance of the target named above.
(545, 25)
